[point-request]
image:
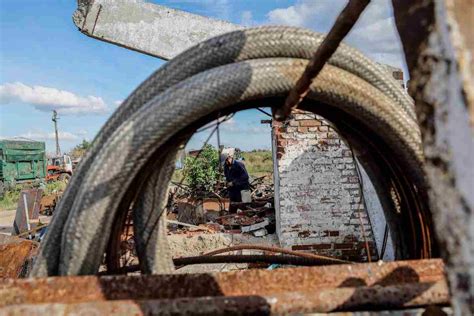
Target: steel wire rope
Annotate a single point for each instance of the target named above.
(239, 67)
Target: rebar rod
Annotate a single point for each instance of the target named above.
(344, 23)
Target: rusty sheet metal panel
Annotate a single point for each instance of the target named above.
(33, 203)
(236, 283)
(16, 256)
(324, 300)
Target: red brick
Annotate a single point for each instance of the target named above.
(309, 123)
(353, 258)
(282, 142)
(397, 75)
(354, 253)
(362, 245)
(312, 247)
(302, 247)
(302, 129)
(322, 246)
(331, 233)
(304, 234)
(344, 246)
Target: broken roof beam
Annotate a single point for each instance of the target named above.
(148, 28)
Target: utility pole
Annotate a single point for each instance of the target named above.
(55, 120)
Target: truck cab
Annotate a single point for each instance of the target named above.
(63, 162)
(59, 168)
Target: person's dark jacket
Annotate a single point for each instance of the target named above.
(237, 174)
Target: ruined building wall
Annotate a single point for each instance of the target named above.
(317, 192)
(319, 196)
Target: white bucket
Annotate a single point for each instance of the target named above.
(246, 197)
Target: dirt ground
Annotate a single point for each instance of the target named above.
(182, 245)
(6, 221)
(7, 218)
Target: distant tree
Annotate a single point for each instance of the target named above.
(201, 172)
(80, 149)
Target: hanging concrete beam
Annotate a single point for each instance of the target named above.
(145, 27)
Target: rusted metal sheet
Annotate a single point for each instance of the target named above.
(29, 202)
(322, 300)
(237, 283)
(16, 255)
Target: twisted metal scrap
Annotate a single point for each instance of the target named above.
(213, 76)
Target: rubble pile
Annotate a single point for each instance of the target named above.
(191, 214)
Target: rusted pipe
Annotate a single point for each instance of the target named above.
(282, 259)
(344, 23)
(276, 250)
(206, 259)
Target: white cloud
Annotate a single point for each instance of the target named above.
(48, 99)
(230, 126)
(374, 34)
(117, 103)
(234, 126)
(40, 135)
(82, 133)
(221, 9)
(246, 18)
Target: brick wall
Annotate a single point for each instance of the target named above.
(318, 196)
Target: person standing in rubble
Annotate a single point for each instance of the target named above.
(237, 180)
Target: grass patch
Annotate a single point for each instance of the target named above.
(11, 196)
(259, 163)
(54, 186)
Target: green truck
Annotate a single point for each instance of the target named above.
(21, 161)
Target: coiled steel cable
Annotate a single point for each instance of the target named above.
(216, 75)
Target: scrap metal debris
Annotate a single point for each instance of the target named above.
(27, 212)
(16, 256)
(211, 210)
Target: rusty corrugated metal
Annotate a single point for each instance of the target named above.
(16, 255)
(407, 295)
(77, 289)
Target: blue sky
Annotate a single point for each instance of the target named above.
(43, 57)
